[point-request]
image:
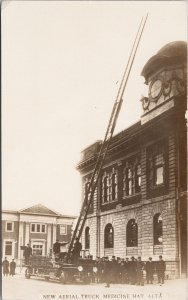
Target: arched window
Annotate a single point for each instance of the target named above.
(157, 229)
(87, 238)
(132, 233)
(109, 236)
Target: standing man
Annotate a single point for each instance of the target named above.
(127, 270)
(114, 270)
(76, 250)
(149, 270)
(161, 268)
(132, 270)
(139, 269)
(5, 267)
(27, 253)
(108, 271)
(12, 267)
(56, 247)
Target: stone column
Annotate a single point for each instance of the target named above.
(26, 233)
(49, 239)
(54, 233)
(20, 240)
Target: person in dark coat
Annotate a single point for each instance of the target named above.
(161, 268)
(5, 267)
(27, 253)
(122, 271)
(76, 250)
(139, 271)
(127, 270)
(118, 273)
(12, 267)
(56, 247)
(99, 266)
(108, 271)
(132, 270)
(114, 270)
(149, 270)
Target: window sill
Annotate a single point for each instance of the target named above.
(106, 203)
(129, 200)
(108, 248)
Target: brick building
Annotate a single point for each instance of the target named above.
(37, 225)
(140, 203)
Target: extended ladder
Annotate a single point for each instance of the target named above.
(107, 139)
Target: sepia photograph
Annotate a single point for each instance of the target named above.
(94, 150)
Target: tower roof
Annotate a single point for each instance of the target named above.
(171, 53)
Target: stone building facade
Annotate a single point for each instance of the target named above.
(37, 225)
(140, 204)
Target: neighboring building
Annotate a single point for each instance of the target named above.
(140, 204)
(37, 225)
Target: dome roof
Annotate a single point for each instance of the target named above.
(171, 53)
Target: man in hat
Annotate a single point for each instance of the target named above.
(5, 267)
(161, 268)
(149, 270)
(108, 271)
(139, 271)
(56, 247)
(114, 269)
(27, 253)
(127, 270)
(76, 250)
(119, 269)
(132, 270)
(98, 264)
(12, 267)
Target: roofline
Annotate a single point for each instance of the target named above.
(38, 214)
(10, 211)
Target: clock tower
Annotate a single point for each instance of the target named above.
(165, 75)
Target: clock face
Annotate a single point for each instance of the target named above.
(156, 88)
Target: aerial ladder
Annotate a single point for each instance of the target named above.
(88, 197)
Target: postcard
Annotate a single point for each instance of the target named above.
(94, 150)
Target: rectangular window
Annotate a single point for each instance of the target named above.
(9, 226)
(43, 228)
(33, 227)
(63, 229)
(157, 169)
(106, 189)
(110, 186)
(38, 228)
(37, 250)
(8, 248)
(138, 178)
(114, 186)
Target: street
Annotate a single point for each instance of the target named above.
(19, 288)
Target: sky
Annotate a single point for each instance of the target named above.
(62, 63)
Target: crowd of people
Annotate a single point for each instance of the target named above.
(8, 268)
(131, 271)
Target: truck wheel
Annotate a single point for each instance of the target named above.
(63, 277)
(27, 274)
